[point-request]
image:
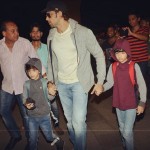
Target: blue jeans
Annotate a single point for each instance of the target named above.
(54, 111)
(126, 121)
(74, 103)
(35, 123)
(7, 102)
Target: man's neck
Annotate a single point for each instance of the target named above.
(36, 44)
(9, 44)
(62, 27)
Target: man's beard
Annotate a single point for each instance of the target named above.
(36, 39)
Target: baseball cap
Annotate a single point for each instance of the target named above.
(55, 5)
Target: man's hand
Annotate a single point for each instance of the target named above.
(52, 89)
(98, 89)
(139, 110)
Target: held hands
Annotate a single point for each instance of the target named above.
(52, 89)
(139, 110)
(98, 89)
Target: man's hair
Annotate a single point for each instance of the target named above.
(135, 13)
(114, 26)
(4, 25)
(65, 16)
(37, 25)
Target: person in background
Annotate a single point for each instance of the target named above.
(14, 53)
(36, 34)
(138, 39)
(145, 23)
(71, 46)
(124, 97)
(109, 43)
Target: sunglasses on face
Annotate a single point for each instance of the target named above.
(118, 50)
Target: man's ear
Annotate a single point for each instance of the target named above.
(59, 13)
(3, 33)
(41, 34)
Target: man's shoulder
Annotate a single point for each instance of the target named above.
(43, 45)
(24, 40)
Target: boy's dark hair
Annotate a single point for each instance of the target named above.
(28, 67)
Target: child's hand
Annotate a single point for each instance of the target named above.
(29, 105)
(139, 110)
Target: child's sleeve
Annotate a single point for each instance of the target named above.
(25, 93)
(141, 85)
(109, 80)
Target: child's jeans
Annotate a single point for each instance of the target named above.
(44, 123)
(126, 119)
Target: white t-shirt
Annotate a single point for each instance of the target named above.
(66, 53)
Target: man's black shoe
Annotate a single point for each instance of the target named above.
(12, 142)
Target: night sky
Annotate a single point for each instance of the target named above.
(94, 14)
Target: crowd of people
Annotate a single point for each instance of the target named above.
(36, 73)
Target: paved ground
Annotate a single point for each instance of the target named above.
(102, 133)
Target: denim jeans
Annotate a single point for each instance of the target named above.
(35, 123)
(126, 121)
(7, 102)
(74, 103)
(54, 111)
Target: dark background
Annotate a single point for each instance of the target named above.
(95, 14)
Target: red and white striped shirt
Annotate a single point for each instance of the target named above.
(139, 48)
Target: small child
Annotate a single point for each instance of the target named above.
(124, 97)
(35, 97)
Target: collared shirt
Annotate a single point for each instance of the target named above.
(13, 64)
(42, 52)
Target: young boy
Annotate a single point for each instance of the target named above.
(124, 97)
(35, 97)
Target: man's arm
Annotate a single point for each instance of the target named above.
(97, 52)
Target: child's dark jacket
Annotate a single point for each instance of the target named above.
(37, 90)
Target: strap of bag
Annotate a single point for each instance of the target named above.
(114, 66)
(50, 51)
(132, 72)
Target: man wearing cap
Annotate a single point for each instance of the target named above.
(71, 46)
